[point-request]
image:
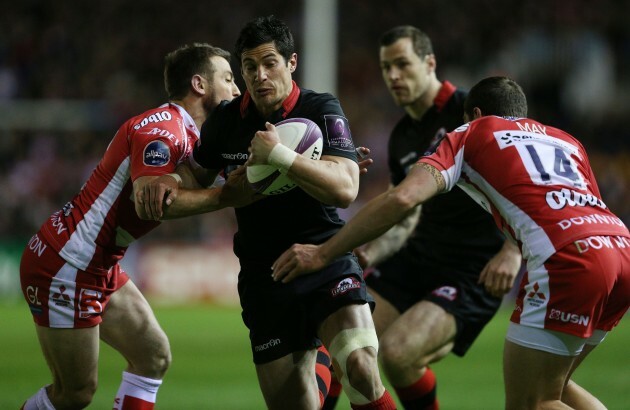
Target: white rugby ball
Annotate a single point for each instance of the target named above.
(302, 136)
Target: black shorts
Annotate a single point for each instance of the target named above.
(406, 279)
(284, 318)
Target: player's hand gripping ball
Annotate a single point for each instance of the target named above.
(302, 136)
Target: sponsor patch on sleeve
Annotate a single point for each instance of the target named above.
(338, 133)
(156, 154)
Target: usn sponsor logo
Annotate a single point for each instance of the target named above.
(564, 197)
(345, 285)
(156, 154)
(446, 292)
(556, 314)
(590, 219)
(157, 117)
(233, 156)
(271, 343)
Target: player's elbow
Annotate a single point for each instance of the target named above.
(344, 197)
(402, 200)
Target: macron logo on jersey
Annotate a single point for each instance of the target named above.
(156, 154)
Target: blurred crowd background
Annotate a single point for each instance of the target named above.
(571, 56)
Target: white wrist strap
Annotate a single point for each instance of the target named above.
(282, 157)
(177, 177)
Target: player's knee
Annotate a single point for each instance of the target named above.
(362, 368)
(161, 360)
(355, 353)
(391, 354)
(155, 361)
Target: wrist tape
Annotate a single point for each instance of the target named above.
(282, 157)
(176, 177)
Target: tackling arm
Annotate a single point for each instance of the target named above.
(390, 242)
(373, 220)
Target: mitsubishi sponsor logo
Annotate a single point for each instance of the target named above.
(345, 285)
(60, 298)
(271, 343)
(556, 314)
(536, 297)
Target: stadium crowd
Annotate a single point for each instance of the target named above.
(571, 56)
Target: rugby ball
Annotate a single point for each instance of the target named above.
(302, 136)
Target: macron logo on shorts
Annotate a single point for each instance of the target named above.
(345, 285)
(156, 154)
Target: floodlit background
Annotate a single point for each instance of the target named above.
(72, 72)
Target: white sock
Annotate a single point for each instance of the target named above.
(137, 387)
(39, 401)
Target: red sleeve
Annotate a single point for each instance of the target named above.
(449, 156)
(156, 149)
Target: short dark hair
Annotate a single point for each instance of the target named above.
(500, 96)
(419, 39)
(262, 30)
(181, 64)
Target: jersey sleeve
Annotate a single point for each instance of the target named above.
(156, 149)
(448, 158)
(335, 129)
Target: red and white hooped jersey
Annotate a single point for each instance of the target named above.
(94, 229)
(536, 181)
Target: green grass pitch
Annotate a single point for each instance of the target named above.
(212, 366)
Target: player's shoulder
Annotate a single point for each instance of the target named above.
(164, 116)
(323, 102)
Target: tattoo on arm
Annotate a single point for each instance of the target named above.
(437, 175)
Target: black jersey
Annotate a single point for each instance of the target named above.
(268, 227)
(452, 228)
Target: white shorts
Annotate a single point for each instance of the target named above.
(552, 341)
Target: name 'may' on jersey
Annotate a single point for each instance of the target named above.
(94, 229)
(535, 179)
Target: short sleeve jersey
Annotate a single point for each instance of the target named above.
(94, 229)
(269, 226)
(452, 227)
(536, 180)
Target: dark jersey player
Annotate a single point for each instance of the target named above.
(426, 273)
(287, 322)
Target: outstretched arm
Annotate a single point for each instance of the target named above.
(373, 220)
(381, 248)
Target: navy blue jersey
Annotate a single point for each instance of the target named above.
(268, 227)
(452, 227)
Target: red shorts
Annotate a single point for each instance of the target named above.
(60, 295)
(582, 287)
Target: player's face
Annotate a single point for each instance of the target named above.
(406, 74)
(222, 86)
(267, 76)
